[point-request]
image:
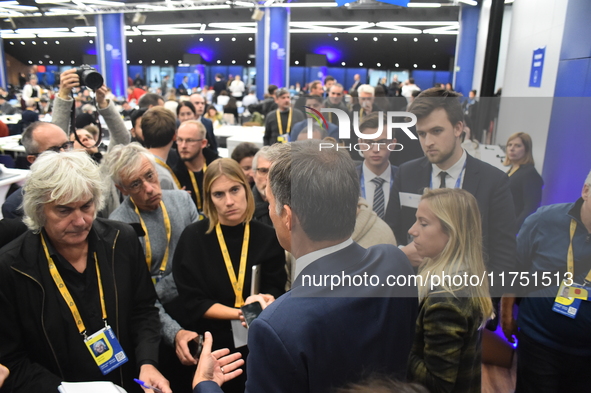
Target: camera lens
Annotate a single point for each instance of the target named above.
(93, 79)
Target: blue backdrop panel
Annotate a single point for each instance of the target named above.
(296, 74)
(272, 49)
(466, 48)
(576, 39)
(111, 51)
(133, 70)
(424, 78)
(573, 74)
(444, 77)
(338, 73)
(236, 70)
(316, 73)
(350, 73)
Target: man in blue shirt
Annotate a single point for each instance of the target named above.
(554, 352)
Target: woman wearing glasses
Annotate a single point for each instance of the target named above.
(214, 259)
(446, 353)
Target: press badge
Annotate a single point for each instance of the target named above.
(569, 298)
(106, 350)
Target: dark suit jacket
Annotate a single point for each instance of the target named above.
(213, 144)
(393, 170)
(526, 187)
(313, 344)
(488, 184)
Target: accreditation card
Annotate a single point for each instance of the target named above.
(569, 298)
(106, 350)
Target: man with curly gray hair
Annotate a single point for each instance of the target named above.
(71, 280)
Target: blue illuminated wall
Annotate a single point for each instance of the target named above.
(272, 49)
(3, 80)
(111, 51)
(567, 160)
(466, 48)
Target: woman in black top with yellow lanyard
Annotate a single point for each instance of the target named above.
(214, 258)
(525, 182)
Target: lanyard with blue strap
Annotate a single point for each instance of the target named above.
(458, 182)
(362, 180)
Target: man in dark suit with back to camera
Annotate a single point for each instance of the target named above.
(439, 127)
(314, 338)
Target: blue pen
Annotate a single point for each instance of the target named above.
(145, 385)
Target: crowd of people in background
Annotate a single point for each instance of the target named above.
(159, 239)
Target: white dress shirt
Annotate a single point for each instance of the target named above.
(453, 173)
(307, 259)
(370, 187)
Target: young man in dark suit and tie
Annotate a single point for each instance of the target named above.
(440, 124)
(376, 174)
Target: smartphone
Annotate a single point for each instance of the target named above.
(195, 346)
(251, 312)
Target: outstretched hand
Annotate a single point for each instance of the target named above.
(219, 366)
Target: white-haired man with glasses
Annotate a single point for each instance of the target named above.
(159, 216)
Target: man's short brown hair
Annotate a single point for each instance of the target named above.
(435, 98)
(158, 127)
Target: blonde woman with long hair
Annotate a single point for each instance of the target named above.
(446, 352)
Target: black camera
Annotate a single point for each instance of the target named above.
(90, 77)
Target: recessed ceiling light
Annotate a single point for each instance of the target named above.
(414, 65)
(219, 62)
(180, 62)
(30, 62)
(233, 38)
(415, 39)
(140, 61)
(436, 40)
(145, 40)
(40, 62)
(50, 61)
(165, 61)
(44, 42)
(33, 42)
(434, 66)
(61, 62)
(343, 64)
(336, 38)
(395, 39)
(201, 39)
(72, 62)
(90, 41)
(128, 62)
(296, 62)
(250, 38)
(233, 61)
(355, 38)
(130, 40)
(11, 43)
(396, 65)
(158, 39)
(22, 42)
(57, 42)
(153, 61)
(375, 38)
(379, 64)
(217, 38)
(248, 61)
(360, 64)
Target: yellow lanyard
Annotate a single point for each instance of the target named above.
(195, 188)
(238, 285)
(513, 170)
(570, 259)
(148, 244)
(165, 165)
(280, 125)
(360, 114)
(61, 286)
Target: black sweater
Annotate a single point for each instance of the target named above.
(526, 186)
(202, 279)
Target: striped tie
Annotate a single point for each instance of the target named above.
(378, 197)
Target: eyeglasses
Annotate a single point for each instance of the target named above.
(188, 140)
(263, 171)
(65, 147)
(136, 185)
